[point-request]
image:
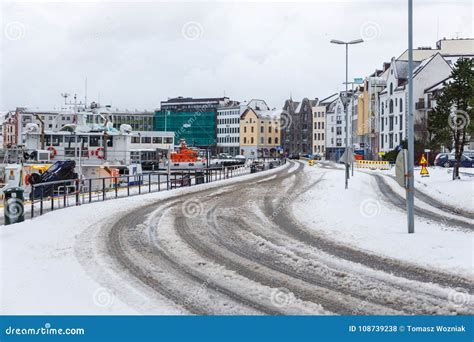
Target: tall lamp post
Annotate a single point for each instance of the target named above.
(410, 191)
(352, 42)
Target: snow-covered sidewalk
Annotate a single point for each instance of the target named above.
(40, 273)
(360, 217)
(441, 187)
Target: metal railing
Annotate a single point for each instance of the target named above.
(50, 196)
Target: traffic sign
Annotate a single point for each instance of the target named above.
(424, 171)
(358, 80)
(423, 160)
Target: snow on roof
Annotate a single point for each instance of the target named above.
(401, 68)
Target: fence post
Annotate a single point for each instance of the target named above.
(52, 200)
(167, 181)
(128, 185)
(64, 196)
(149, 182)
(33, 201)
(116, 187)
(139, 184)
(159, 185)
(103, 189)
(41, 203)
(90, 190)
(78, 189)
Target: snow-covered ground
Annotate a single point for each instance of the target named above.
(40, 273)
(440, 186)
(362, 218)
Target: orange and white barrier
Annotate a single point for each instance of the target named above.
(372, 164)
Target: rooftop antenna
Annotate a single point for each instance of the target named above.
(65, 95)
(437, 29)
(85, 97)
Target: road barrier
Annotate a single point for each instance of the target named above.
(372, 164)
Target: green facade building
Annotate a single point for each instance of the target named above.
(196, 127)
(191, 119)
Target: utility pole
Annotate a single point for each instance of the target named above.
(410, 191)
(346, 106)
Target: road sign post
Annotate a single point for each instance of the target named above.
(401, 169)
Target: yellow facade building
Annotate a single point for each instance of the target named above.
(259, 133)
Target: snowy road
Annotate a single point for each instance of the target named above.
(239, 249)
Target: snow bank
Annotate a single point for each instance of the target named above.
(440, 186)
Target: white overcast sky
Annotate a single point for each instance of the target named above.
(136, 54)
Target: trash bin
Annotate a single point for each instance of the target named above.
(253, 168)
(199, 177)
(14, 211)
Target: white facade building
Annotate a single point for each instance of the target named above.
(393, 99)
(228, 125)
(335, 129)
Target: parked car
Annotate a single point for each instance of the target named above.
(447, 160)
(61, 170)
(469, 153)
(240, 159)
(294, 156)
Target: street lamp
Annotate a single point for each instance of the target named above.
(352, 42)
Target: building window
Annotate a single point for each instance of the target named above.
(251, 139)
(251, 129)
(245, 129)
(391, 88)
(261, 129)
(401, 105)
(390, 107)
(269, 140)
(245, 140)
